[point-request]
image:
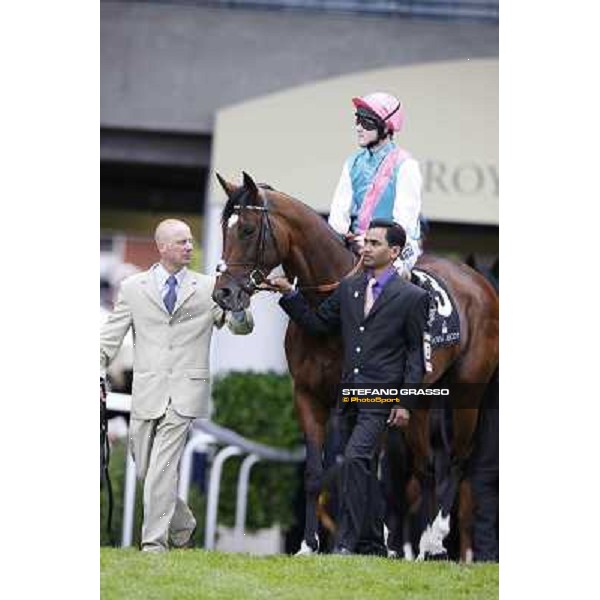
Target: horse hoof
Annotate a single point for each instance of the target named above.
(305, 550)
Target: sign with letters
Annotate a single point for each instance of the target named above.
(297, 140)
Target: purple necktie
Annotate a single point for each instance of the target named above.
(369, 296)
(171, 295)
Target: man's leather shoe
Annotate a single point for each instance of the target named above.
(188, 545)
(153, 549)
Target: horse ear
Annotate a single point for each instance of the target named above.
(250, 185)
(229, 188)
(470, 260)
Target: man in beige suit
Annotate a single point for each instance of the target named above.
(171, 313)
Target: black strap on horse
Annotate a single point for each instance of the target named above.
(105, 459)
(257, 279)
(257, 276)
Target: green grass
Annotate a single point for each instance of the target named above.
(197, 574)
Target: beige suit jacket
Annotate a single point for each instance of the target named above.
(171, 352)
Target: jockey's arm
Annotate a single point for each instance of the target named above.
(407, 203)
(339, 213)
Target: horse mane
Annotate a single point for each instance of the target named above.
(242, 198)
(312, 211)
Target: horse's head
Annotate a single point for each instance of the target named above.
(250, 246)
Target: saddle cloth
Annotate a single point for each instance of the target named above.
(444, 322)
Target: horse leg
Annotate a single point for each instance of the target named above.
(465, 521)
(413, 520)
(428, 504)
(313, 419)
(436, 485)
(396, 473)
(473, 374)
(419, 433)
(432, 541)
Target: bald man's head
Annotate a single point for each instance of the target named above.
(174, 243)
(166, 229)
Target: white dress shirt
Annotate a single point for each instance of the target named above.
(161, 275)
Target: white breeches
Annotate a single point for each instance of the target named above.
(407, 259)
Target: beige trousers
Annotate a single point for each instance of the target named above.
(156, 446)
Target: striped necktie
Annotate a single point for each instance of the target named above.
(369, 298)
(171, 295)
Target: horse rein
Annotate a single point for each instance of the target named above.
(259, 281)
(329, 287)
(105, 460)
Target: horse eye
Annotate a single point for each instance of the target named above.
(247, 230)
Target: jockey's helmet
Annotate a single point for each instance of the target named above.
(385, 108)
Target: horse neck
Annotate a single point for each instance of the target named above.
(315, 255)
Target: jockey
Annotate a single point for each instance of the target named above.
(381, 180)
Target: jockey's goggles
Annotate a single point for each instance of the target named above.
(367, 123)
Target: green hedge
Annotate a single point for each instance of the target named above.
(259, 407)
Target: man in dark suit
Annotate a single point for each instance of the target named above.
(382, 319)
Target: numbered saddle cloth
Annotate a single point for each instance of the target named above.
(444, 322)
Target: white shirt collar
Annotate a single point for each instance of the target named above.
(161, 275)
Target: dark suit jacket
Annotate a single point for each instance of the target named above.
(384, 347)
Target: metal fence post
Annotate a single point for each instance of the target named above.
(242, 499)
(198, 442)
(128, 502)
(214, 485)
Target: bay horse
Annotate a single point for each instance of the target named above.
(262, 229)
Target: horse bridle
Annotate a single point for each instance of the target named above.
(257, 277)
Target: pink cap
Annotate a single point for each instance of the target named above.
(385, 106)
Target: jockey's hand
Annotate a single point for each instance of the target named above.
(281, 285)
(355, 238)
(399, 417)
(356, 242)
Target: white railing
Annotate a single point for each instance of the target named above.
(205, 438)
